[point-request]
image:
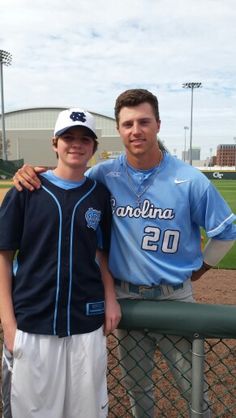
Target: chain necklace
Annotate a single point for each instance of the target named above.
(132, 184)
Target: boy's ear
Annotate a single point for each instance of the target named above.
(54, 142)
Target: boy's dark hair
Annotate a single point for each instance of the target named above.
(135, 97)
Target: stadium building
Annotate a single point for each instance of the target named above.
(196, 154)
(226, 155)
(29, 133)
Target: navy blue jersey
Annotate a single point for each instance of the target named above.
(57, 288)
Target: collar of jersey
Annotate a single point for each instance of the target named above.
(150, 171)
(60, 182)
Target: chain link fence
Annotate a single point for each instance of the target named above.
(220, 375)
(214, 325)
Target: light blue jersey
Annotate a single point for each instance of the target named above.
(157, 215)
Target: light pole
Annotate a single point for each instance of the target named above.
(191, 86)
(210, 162)
(235, 151)
(5, 58)
(185, 137)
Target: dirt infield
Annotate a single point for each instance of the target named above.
(4, 189)
(216, 286)
(2, 194)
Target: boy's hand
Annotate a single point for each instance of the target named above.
(9, 337)
(112, 316)
(26, 177)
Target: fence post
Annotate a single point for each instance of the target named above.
(197, 377)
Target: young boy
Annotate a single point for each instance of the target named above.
(52, 306)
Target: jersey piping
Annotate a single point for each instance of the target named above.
(218, 229)
(71, 256)
(58, 257)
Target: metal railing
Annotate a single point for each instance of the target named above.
(211, 329)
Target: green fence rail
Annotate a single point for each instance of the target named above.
(9, 168)
(211, 329)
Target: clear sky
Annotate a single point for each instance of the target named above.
(85, 52)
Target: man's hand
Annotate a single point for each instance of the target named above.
(26, 177)
(197, 274)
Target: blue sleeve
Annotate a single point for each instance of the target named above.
(228, 234)
(98, 172)
(214, 215)
(12, 220)
(95, 173)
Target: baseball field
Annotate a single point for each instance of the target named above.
(228, 190)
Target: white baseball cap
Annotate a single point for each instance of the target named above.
(74, 117)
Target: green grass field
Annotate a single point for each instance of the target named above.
(227, 188)
(5, 185)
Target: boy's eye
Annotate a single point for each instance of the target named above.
(67, 137)
(86, 139)
(70, 138)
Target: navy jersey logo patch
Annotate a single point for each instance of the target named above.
(93, 217)
(95, 308)
(78, 117)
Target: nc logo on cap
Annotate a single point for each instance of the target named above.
(78, 116)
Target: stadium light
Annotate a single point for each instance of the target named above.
(235, 151)
(185, 138)
(191, 86)
(5, 58)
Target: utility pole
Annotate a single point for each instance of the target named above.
(186, 128)
(5, 58)
(191, 86)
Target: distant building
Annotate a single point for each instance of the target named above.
(29, 132)
(196, 154)
(226, 155)
(212, 161)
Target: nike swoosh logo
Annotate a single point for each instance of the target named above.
(181, 181)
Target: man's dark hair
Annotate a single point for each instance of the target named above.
(135, 97)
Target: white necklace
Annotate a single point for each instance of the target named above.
(132, 184)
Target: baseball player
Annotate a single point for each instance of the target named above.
(159, 204)
(52, 307)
